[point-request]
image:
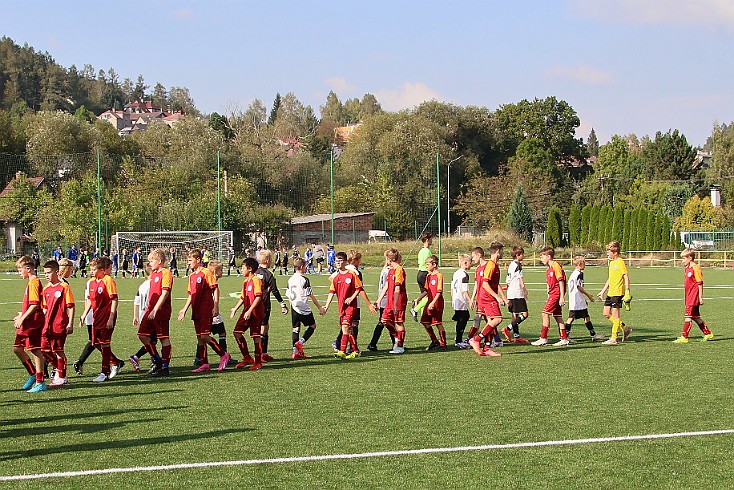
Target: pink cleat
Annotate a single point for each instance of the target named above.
(223, 362)
(204, 368)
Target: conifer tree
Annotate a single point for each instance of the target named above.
(520, 217)
(574, 226)
(554, 231)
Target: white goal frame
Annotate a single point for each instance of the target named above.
(218, 242)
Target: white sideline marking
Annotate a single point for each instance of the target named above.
(379, 454)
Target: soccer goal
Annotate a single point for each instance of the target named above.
(217, 242)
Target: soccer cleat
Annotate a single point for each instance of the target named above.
(223, 362)
(541, 341)
(255, 366)
(202, 369)
(507, 333)
(245, 362)
(299, 347)
(116, 368)
(397, 350)
(59, 381)
(340, 355)
(267, 357)
(135, 363)
(161, 372)
(462, 345)
(38, 387)
(442, 348)
(520, 340)
(707, 337)
(433, 346)
(232, 362)
(414, 314)
(562, 343)
(296, 355)
(99, 379)
(598, 337)
(610, 342)
(475, 345)
(354, 355)
(154, 368)
(372, 348)
(78, 367)
(488, 352)
(681, 340)
(497, 343)
(626, 334)
(29, 382)
(336, 347)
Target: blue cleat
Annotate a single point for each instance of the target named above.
(29, 382)
(38, 387)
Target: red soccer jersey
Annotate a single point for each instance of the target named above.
(345, 284)
(101, 293)
(161, 280)
(694, 277)
(396, 277)
(57, 298)
(32, 296)
(201, 288)
(434, 286)
(490, 275)
(554, 276)
(251, 289)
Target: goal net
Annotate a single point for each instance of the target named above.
(217, 242)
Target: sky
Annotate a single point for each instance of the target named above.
(625, 66)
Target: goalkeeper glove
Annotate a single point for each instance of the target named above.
(626, 299)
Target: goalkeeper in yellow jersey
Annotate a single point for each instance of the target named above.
(618, 287)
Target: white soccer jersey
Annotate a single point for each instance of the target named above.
(460, 285)
(514, 274)
(298, 292)
(381, 286)
(576, 299)
(89, 320)
(141, 298)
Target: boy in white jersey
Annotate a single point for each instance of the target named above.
(460, 298)
(140, 304)
(517, 295)
(299, 292)
(380, 327)
(577, 306)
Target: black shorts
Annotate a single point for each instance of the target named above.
(266, 317)
(613, 301)
(320, 260)
(578, 314)
(518, 305)
(422, 280)
(298, 319)
(461, 316)
(218, 328)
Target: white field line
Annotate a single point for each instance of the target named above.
(379, 454)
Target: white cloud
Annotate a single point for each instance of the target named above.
(580, 73)
(407, 96)
(706, 13)
(340, 86)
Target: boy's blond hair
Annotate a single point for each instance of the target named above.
(578, 260)
(97, 263)
(613, 246)
(687, 252)
(160, 254)
(215, 266)
(25, 261)
(264, 256)
(392, 254)
(353, 255)
(464, 258)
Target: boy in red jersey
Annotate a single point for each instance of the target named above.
(433, 311)
(252, 315)
(346, 286)
(29, 327)
(555, 278)
(393, 316)
(694, 299)
(58, 308)
(489, 297)
(204, 305)
(157, 316)
(102, 301)
(477, 256)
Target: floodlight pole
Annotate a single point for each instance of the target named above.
(331, 178)
(99, 202)
(438, 202)
(219, 192)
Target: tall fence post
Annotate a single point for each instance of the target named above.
(99, 202)
(331, 178)
(438, 203)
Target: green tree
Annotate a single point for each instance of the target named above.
(700, 214)
(593, 224)
(554, 231)
(585, 225)
(618, 223)
(274, 110)
(669, 156)
(627, 230)
(574, 226)
(24, 204)
(592, 144)
(642, 229)
(520, 217)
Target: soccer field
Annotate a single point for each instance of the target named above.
(322, 422)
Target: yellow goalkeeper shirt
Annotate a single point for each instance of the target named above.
(617, 271)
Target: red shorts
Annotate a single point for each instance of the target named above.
(254, 324)
(552, 306)
(393, 316)
(348, 315)
(490, 309)
(692, 311)
(159, 325)
(28, 339)
(432, 317)
(102, 336)
(53, 342)
(203, 326)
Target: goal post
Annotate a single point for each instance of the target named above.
(217, 242)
